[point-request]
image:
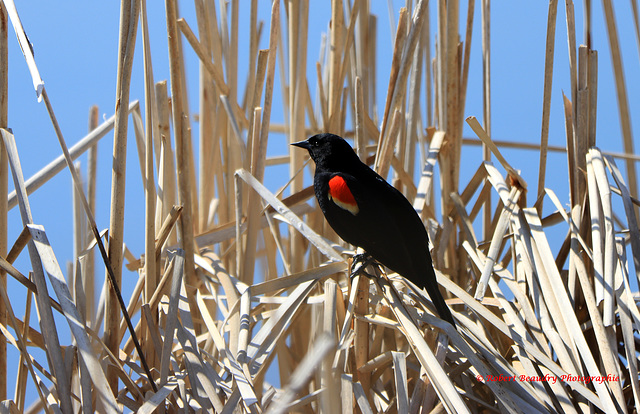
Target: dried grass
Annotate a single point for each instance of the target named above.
(212, 335)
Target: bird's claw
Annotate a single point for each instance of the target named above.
(363, 260)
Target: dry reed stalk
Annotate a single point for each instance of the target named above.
(182, 139)
(254, 35)
(361, 284)
(88, 260)
(453, 123)
(298, 18)
(334, 89)
(150, 273)
(190, 170)
(256, 158)
(89, 359)
(598, 234)
(74, 271)
(139, 136)
(573, 60)
(126, 45)
(398, 47)
(248, 266)
(25, 212)
(477, 128)
(592, 84)
(465, 58)
(274, 35)
(24, 362)
(4, 189)
(636, 21)
(47, 324)
(448, 65)
(485, 16)
(414, 121)
(546, 99)
(600, 323)
(206, 116)
(20, 343)
(166, 164)
(328, 378)
(54, 167)
(621, 94)
(632, 219)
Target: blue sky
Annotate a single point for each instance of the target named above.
(76, 49)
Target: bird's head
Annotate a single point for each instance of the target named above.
(329, 151)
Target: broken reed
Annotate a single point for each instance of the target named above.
(211, 331)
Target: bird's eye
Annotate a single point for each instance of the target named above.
(313, 142)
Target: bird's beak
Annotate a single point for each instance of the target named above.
(302, 144)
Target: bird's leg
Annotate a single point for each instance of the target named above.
(360, 263)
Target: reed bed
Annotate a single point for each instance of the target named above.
(243, 301)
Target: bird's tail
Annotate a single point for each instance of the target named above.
(433, 290)
(441, 306)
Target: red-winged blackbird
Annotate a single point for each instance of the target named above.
(368, 212)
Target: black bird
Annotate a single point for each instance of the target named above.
(368, 212)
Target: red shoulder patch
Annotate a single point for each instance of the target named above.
(341, 195)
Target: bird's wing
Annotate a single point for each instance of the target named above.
(361, 213)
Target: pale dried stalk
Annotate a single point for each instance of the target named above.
(443, 385)
(54, 167)
(360, 114)
(501, 229)
(414, 136)
(334, 89)
(81, 337)
(398, 47)
(626, 310)
(329, 324)
(126, 46)
(597, 233)
(453, 123)
(88, 272)
(384, 154)
(361, 330)
(47, 323)
(231, 105)
(602, 328)
(573, 61)
(268, 94)
(248, 266)
(486, 140)
(166, 165)
(4, 189)
(74, 272)
(301, 375)
(151, 117)
(301, 226)
(546, 99)
(182, 138)
(485, 15)
(550, 148)
(25, 358)
(630, 211)
(25, 361)
(576, 334)
(207, 128)
(465, 60)
(298, 28)
(621, 94)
